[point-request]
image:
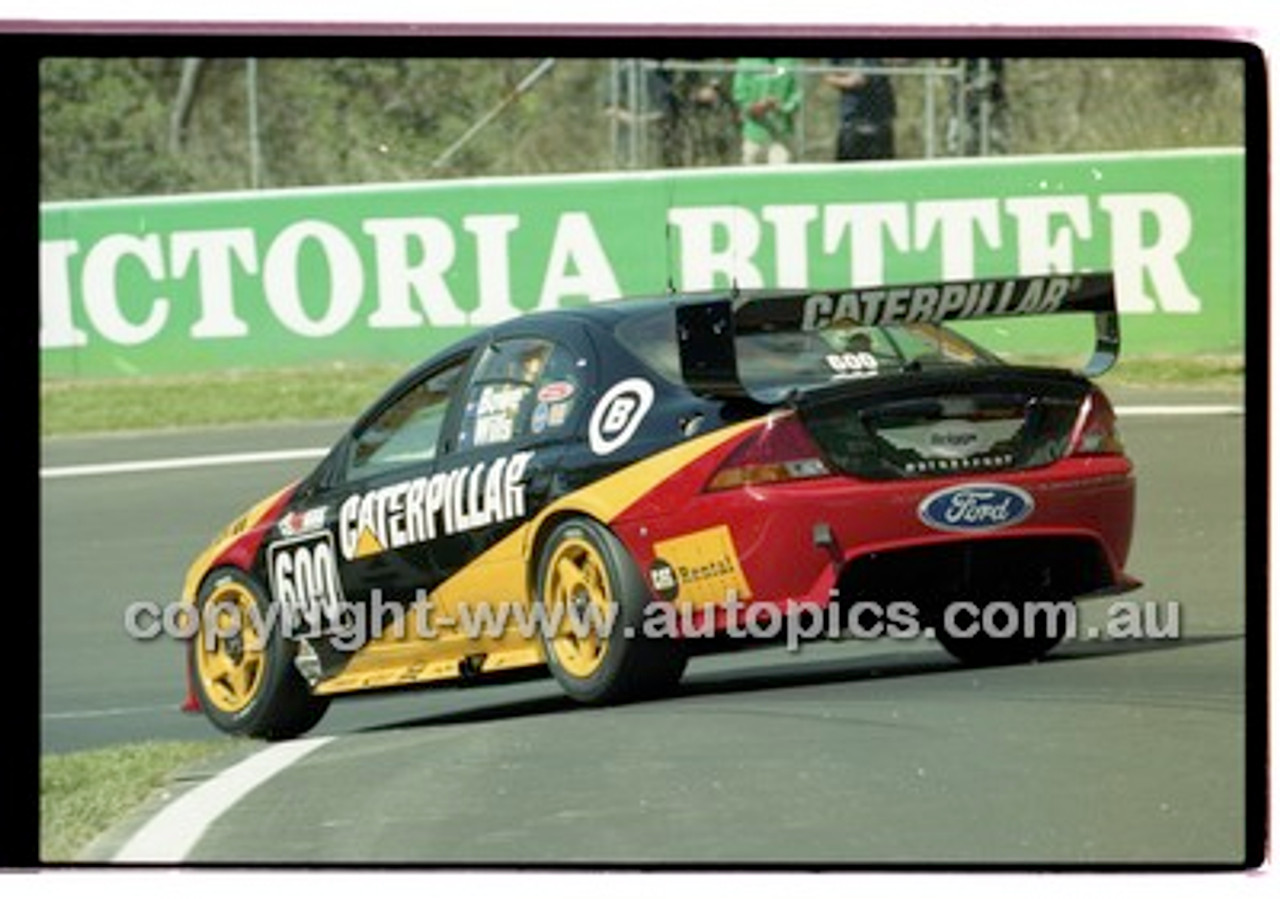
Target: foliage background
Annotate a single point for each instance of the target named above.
(107, 125)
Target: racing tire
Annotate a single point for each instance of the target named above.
(1033, 639)
(588, 585)
(246, 682)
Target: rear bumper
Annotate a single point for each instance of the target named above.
(788, 543)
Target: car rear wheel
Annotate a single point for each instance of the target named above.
(594, 599)
(1003, 633)
(242, 669)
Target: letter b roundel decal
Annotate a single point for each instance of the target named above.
(618, 413)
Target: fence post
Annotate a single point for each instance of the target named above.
(930, 115)
(255, 143)
(615, 70)
(984, 107)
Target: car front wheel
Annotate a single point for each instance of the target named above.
(242, 668)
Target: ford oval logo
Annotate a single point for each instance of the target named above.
(975, 507)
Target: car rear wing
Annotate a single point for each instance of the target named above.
(706, 325)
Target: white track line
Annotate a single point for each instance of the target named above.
(291, 455)
(1222, 409)
(76, 471)
(173, 831)
(107, 713)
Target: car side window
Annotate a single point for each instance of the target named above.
(521, 387)
(408, 431)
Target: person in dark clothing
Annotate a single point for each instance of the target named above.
(698, 118)
(712, 121)
(689, 117)
(867, 109)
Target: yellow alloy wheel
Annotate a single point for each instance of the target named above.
(231, 657)
(577, 597)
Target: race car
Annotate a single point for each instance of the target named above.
(600, 493)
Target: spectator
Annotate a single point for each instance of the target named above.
(712, 122)
(867, 110)
(768, 97)
(697, 123)
(688, 118)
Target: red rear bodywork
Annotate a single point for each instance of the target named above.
(784, 510)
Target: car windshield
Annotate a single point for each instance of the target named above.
(772, 361)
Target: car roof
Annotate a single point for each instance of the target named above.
(605, 313)
(548, 323)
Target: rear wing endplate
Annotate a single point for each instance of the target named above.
(706, 325)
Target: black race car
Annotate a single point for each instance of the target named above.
(604, 492)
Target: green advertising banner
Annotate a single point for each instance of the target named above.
(395, 272)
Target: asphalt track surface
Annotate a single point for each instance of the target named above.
(858, 752)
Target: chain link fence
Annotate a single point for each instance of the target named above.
(118, 127)
(684, 113)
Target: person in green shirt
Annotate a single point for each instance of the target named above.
(768, 97)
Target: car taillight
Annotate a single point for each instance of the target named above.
(779, 451)
(1095, 433)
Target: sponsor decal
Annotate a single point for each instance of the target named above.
(663, 579)
(618, 413)
(969, 463)
(939, 302)
(975, 507)
(301, 521)
(424, 508)
(304, 580)
(955, 444)
(538, 421)
(555, 392)
(700, 568)
(954, 439)
(557, 415)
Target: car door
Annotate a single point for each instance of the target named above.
(522, 404)
(438, 476)
(351, 537)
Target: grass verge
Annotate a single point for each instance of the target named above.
(1222, 373)
(341, 391)
(1190, 372)
(82, 794)
(121, 404)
